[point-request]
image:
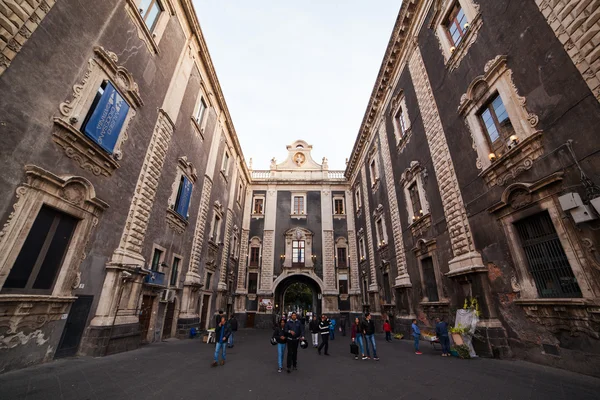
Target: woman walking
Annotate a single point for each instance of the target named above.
(281, 337)
(357, 337)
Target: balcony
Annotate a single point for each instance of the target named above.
(155, 278)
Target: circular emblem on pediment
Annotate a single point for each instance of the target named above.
(299, 159)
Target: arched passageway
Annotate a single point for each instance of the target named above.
(299, 293)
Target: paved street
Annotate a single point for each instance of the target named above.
(181, 370)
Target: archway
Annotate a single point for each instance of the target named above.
(299, 293)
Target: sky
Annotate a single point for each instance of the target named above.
(297, 70)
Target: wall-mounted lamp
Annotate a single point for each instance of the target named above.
(452, 49)
(466, 26)
(314, 257)
(282, 257)
(492, 157)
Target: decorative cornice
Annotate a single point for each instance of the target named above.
(391, 61)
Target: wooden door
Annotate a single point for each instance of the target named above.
(168, 326)
(145, 315)
(204, 315)
(71, 336)
(250, 320)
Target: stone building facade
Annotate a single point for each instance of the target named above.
(478, 151)
(129, 215)
(117, 153)
(296, 228)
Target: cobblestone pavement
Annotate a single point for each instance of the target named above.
(181, 370)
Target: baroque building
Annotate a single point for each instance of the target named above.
(129, 214)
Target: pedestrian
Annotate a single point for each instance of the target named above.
(222, 333)
(218, 318)
(369, 332)
(332, 329)
(280, 335)
(417, 335)
(324, 328)
(313, 326)
(441, 330)
(357, 337)
(387, 328)
(233, 325)
(294, 331)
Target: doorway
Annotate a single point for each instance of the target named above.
(250, 320)
(145, 316)
(204, 314)
(298, 293)
(71, 336)
(168, 326)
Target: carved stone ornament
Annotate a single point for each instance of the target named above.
(188, 168)
(176, 222)
(519, 199)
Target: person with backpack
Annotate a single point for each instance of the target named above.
(324, 328)
(281, 337)
(313, 326)
(233, 325)
(294, 332)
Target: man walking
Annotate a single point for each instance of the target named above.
(369, 332)
(233, 325)
(222, 333)
(324, 328)
(313, 326)
(294, 331)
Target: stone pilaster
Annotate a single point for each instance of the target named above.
(352, 251)
(576, 24)
(329, 274)
(198, 241)
(463, 249)
(243, 263)
(402, 277)
(266, 275)
(370, 248)
(222, 285)
(132, 239)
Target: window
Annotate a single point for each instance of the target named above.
(546, 258)
(429, 281)
(496, 124)
(157, 258)
(254, 256)
(343, 284)
(400, 119)
(41, 257)
(150, 10)
(93, 120)
(184, 194)
(174, 271)
(361, 249)
(252, 283)
(342, 260)
(503, 130)
(455, 24)
(225, 165)
(415, 200)
(414, 193)
(357, 198)
(338, 206)
(380, 232)
(373, 171)
(399, 124)
(208, 279)
(259, 206)
(298, 253)
(240, 193)
(201, 110)
(216, 228)
(105, 117)
(298, 205)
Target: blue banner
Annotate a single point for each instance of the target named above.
(184, 196)
(104, 126)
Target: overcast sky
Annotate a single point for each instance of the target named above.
(297, 70)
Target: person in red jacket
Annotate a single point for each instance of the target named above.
(387, 328)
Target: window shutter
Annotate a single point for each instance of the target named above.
(184, 199)
(104, 126)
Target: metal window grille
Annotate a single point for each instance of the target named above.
(546, 257)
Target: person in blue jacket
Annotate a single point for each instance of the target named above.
(441, 330)
(417, 335)
(332, 329)
(294, 331)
